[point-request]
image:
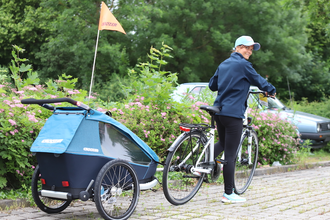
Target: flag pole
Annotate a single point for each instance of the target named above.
(90, 88)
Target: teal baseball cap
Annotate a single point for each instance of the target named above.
(247, 41)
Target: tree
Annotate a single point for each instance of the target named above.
(202, 34)
(70, 49)
(315, 76)
(20, 25)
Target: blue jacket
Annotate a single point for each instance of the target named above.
(232, 80)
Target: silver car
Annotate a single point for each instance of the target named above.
(312, 127)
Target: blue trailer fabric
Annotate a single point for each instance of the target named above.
(99, 116)
(60, 132)
(57, 133)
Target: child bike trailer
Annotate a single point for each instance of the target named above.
(85, 154)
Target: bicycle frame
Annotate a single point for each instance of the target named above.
(209, 144)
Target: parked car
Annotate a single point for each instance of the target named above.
(312, 127)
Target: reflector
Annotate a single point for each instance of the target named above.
(65, 183)
(184, 129)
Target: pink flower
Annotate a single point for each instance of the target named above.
(163, 114)
(12, 122)
(22, 140)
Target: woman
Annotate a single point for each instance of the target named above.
(232, 80)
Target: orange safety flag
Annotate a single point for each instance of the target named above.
(108, 21)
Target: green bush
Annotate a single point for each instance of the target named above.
(20, 124)
(158, 128)
(278, 139)
(316, 108)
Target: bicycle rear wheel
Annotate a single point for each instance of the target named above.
(246, 162)
(179, 184)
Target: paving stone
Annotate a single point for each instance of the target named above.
(277, 196)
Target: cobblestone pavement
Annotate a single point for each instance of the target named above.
(303, 194)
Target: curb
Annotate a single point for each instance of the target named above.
(7, 203)
(288, 168)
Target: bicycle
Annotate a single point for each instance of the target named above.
(191, 161)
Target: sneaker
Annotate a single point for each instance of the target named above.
(232, 198)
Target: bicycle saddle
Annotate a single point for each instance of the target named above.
(211, 109)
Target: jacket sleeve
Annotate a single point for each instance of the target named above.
(256, 80)
(213, 84)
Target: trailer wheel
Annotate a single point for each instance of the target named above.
(46, 204)
(116, 190)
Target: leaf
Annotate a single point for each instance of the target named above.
(25, 68)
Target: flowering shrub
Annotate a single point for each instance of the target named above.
(20, 125)
(278, 139)
(158, 128)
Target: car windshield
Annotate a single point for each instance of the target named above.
(273, 104)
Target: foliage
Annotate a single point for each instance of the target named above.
(20, 24)
(71, 46)
(18, 68)
(20, 124)
(153, 83)
(156, 127)
(316, 108)
(148, 110)
(278, 140)
(60, 36)
(24, 193)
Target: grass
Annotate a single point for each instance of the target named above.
(313, 156)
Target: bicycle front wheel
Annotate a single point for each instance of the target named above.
(179, 184)
(246, 161)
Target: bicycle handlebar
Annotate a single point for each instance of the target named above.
(257, 92)
(44, 102)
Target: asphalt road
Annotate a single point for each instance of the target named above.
(301, 194)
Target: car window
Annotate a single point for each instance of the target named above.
(272, 103)
(197, 90)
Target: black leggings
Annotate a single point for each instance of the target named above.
(230, 131)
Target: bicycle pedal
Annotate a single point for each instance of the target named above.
(206, 164)
(224, 162)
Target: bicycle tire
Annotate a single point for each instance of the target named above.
(45, 204)
(116, 190)
(244, 170)
(179, 185)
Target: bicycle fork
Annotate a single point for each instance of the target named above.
(249, 147)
